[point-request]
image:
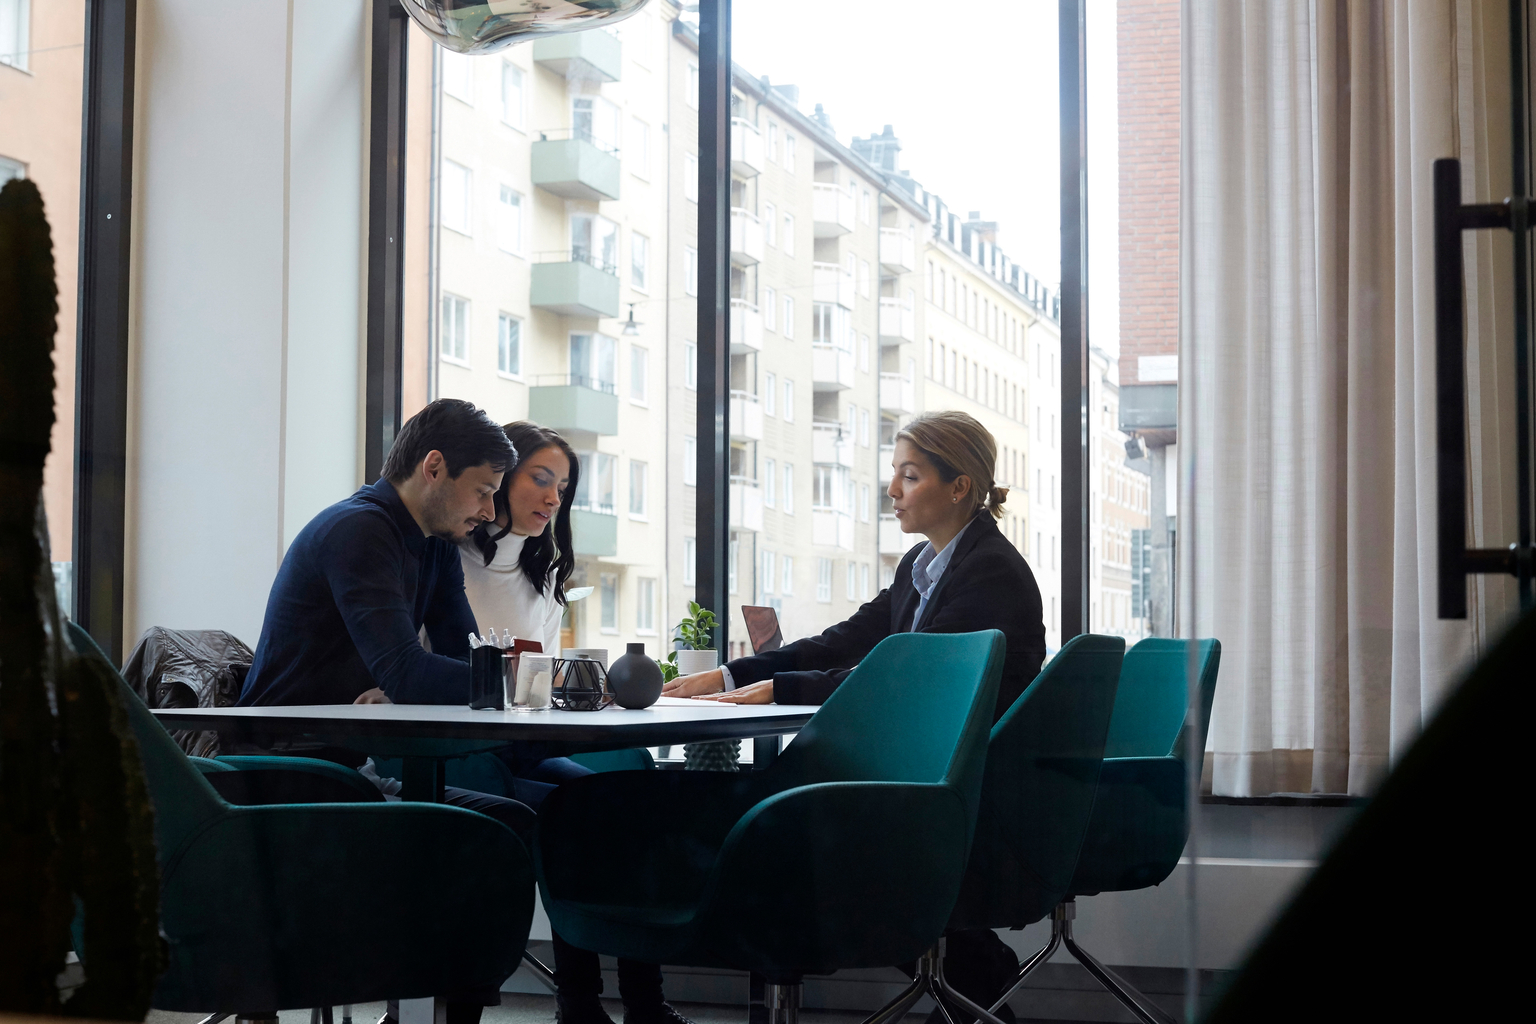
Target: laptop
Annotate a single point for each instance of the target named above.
(762, 628)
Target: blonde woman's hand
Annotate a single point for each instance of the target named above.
(752, 693)
(696, 685)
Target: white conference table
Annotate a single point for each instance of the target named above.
(427, 735)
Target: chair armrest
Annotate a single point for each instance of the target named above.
(1139, 826)
(395, 900)
(839, 875)
(271, 779)
(662, 829)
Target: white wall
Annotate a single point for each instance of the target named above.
(247, 292)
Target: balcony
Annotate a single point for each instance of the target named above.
(746, 504)
(831, 368)
(580, 408)
(746, 239)
(593, 56)
(746, 149)
(831, 210)
(887, 456)
(827, 449)
(898, 323)
(594, 533)
(576, 167)
(897, 255)
(746, 328)
(574, 284)
(892, 540)
(746, 417)
(832, 529)
(831, 283)
(896, 393)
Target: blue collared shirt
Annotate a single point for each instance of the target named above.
(930, 565)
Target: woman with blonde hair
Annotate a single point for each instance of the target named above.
(967, 577)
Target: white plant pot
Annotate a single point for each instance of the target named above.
(689, 662)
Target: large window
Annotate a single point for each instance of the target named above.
(595, 241)
(594, 362)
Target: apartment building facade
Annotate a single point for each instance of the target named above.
(1119, 512)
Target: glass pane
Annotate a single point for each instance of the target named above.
(41, 69)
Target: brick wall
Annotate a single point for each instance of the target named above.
(1147, 37)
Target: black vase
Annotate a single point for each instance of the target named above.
(634, 678)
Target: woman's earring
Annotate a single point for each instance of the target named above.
(955, 500)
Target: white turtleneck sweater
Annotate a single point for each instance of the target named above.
(502, 598)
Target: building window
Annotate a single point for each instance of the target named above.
(770, 224)
(637, 481)
(690, 271)
(821, 488)
(789, 152)
(691, 178)
(789, 401)
(691, 461)
(594, 493)
(863, 581)
(770, 307)
(594, 359)
(864, 502)
(645, 605)
(864, 427)
(509, 220)
(864, 353)
(512, 95)
(509, 345)
(787, 576)
(690, 562)
(730, 565)
(638, 372)
(789, 317)
(773, 141)
(595, 241)
(458, 76)
(455, 329)
(848, 582)
(824, 579)
(692, 97)
(690, 366)
(595, 120)
(455, 197)
(789, 234)
(639, 148)
(639, 259)
(789, 491)
(770, 479)
(608, 587)
(767, 572)
(864, 273)
(770, 394)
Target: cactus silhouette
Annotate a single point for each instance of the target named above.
(76, 834)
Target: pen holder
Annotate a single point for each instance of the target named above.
(486, 690)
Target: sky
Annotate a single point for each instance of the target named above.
(972, 94)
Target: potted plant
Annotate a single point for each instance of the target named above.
(693, 651)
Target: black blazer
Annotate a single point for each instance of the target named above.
(987, 585)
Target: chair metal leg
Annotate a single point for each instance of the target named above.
(215, 1018)
(783, 1004)
(1144, 1009)
(930, 981)
(346, 1013)
(1041, 956)
(959, 998)
(544, 974)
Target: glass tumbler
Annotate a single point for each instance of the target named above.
(535, 680)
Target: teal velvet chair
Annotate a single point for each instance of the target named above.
(791, 870)
(1043, 764)
(1140, 820)
(315, 905)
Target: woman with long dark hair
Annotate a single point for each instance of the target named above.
(515, 572)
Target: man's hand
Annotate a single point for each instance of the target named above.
(373, 696)
(695, 685)
(753, 693)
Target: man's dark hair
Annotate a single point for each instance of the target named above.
(464, 434)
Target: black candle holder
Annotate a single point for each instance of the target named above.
(582, 685)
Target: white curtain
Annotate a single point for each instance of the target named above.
(1306, 520)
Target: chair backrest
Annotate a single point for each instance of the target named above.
(916, 709)
(1153, 700)
(1044, 758)
(183, 801)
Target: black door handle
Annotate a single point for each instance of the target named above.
(1455, 559)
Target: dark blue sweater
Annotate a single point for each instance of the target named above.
(355, 588)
